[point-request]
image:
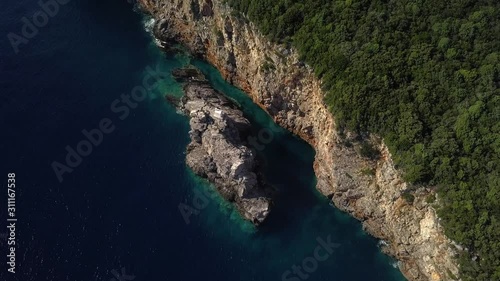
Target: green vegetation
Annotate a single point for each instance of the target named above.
(431, 198)
(408, 197)
(424, 75)
(218, 33)
(368, 172)
(367, 150)
(268, 65)
(451, 275)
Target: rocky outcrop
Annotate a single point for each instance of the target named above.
(216, 151)
(274, 77)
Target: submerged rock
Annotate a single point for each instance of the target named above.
(217, 150)
(189, 74)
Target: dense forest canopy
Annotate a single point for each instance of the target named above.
(425, 76)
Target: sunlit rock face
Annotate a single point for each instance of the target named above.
(276, 80)
(218, 150)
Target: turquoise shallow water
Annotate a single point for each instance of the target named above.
(120, 207)
(301, 214)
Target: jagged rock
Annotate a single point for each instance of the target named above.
(166, 37)
(218, 151)
(172, 100)
(189, 74)
(428, 254)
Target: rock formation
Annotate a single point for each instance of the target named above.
(217, 151)
(275, 78)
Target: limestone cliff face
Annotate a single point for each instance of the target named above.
(275, 79)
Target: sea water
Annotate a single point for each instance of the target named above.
(115, 215)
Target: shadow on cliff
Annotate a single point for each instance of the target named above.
(286, 161)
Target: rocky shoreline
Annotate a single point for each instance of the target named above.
(217, 150)
(371, 190)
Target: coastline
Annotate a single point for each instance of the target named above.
(292, 96)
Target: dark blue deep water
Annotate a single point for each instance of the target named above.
(118, 209)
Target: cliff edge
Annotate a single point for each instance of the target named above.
(275, 78)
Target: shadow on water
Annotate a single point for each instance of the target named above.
(300, 213)
(119, 208)
(286, 160)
